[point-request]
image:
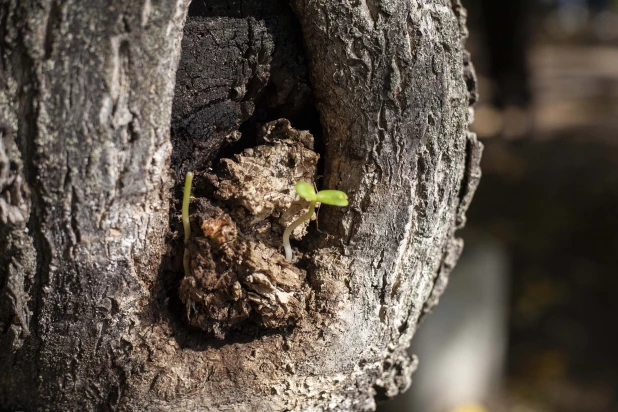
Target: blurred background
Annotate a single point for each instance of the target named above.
(529, 322)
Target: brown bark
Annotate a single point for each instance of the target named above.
(85, 101)
(88, 316)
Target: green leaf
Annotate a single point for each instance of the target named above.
(332, 197)
(305, 190)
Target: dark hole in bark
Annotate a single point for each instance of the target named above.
(208, 114)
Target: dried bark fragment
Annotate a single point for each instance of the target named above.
(235, 278)
(262, 179)
(237, 270)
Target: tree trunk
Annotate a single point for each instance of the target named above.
(95, 312)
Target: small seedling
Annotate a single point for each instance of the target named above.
(186, 225)
(305, 190)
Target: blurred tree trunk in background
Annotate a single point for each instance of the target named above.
(89, 312)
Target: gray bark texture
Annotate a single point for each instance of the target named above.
(101, 114)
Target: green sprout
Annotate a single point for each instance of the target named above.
(305, 190)
(186, 225)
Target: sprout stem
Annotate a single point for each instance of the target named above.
(290, 229)
(186, 225)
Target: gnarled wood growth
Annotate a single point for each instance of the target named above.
(92, 314)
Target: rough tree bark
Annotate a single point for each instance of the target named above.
(94, 313)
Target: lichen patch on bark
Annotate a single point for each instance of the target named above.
(238, 273)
